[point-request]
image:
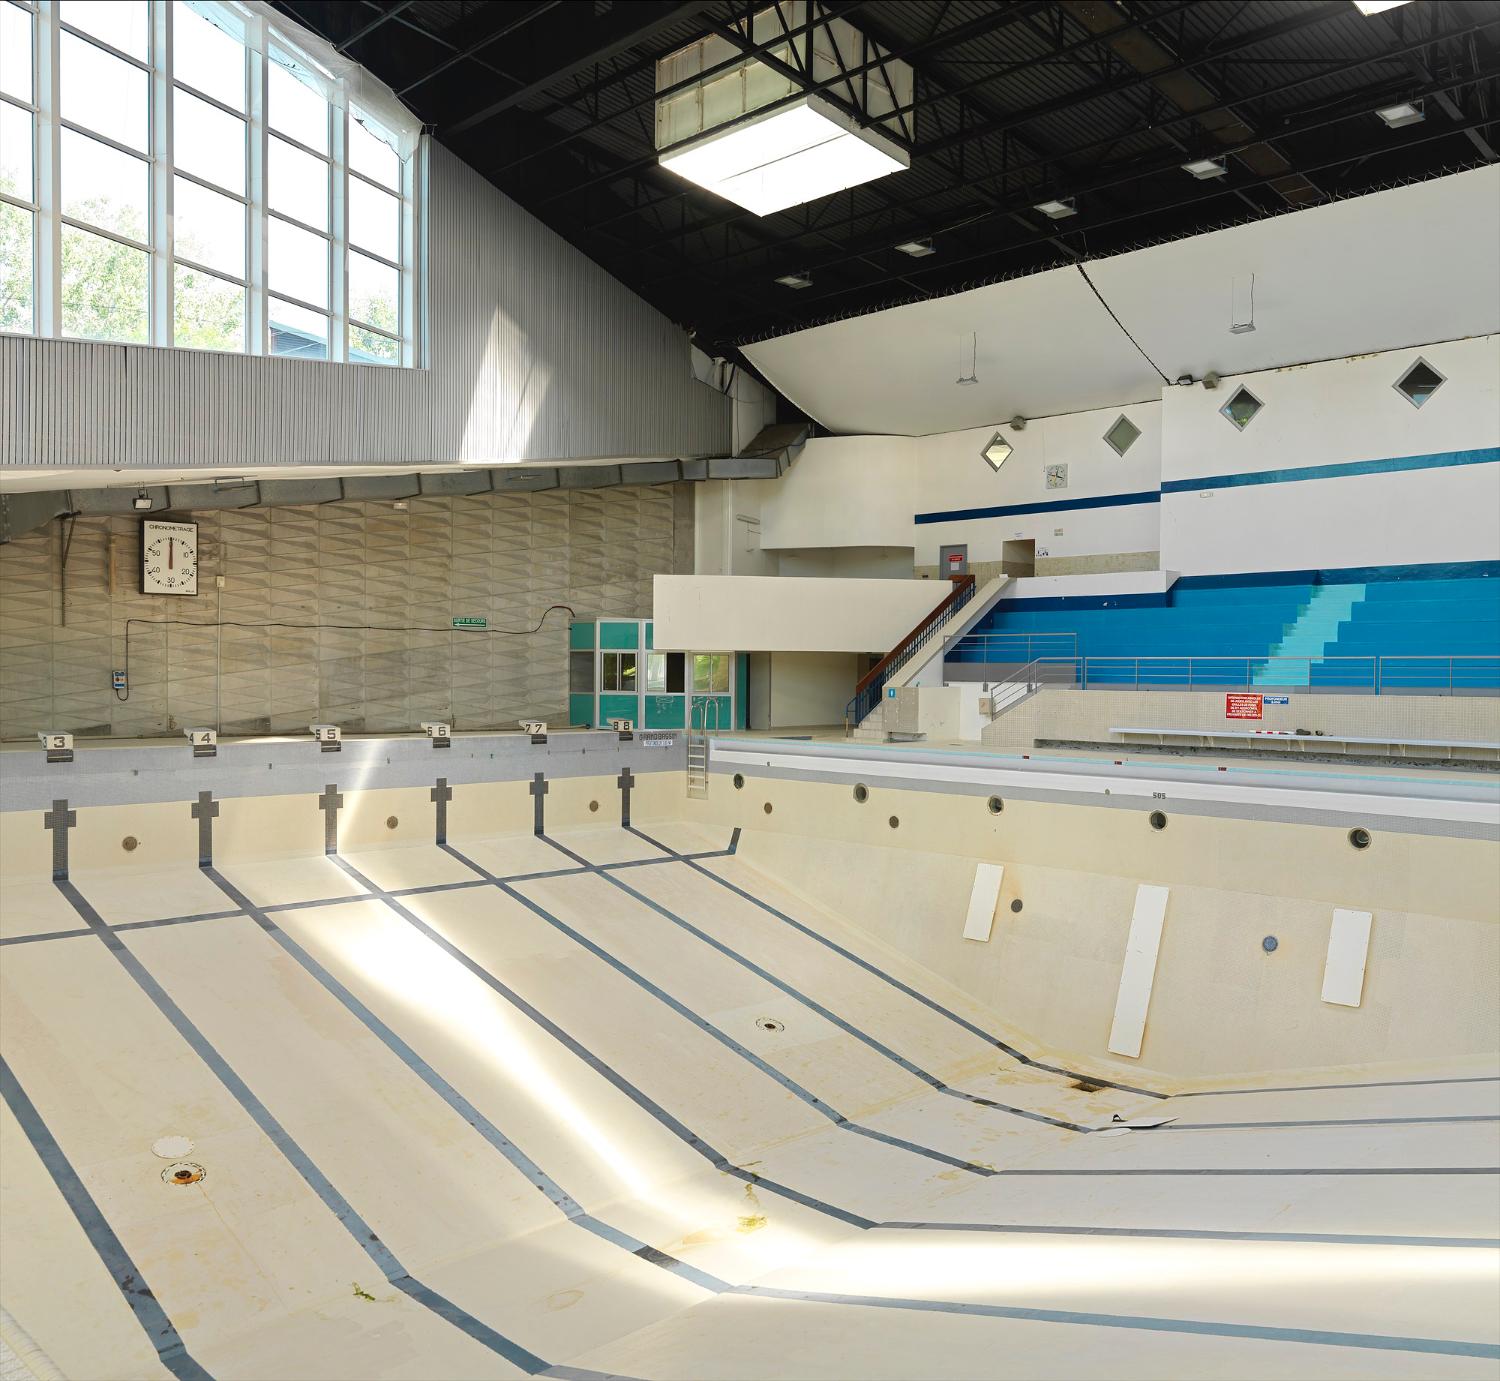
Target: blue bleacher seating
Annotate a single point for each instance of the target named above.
(1389, 635)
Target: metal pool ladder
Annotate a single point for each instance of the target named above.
(697, 746)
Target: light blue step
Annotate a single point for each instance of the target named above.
(1308, 636)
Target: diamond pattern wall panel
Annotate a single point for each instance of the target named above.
(338, 612)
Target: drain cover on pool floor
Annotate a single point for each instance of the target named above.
(171, 1147)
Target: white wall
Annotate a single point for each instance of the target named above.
(811, 688)
(863, 563)
(535, 354)
(1333, 413)
(788, 613)
(843, 491)
(953, 476)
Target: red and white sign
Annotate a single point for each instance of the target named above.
(955, 563)
(1243, 707)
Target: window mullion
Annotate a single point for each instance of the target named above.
(257, 151)
(338, 223)
(160, 232)
(46, 92)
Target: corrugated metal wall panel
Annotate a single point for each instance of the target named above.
(536, 354)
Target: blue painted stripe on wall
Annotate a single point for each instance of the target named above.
(956, 515)
(1485, 455)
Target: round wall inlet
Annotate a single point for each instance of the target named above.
(861, 793)
(593, 805)
(1359, 838)
(769, 1024)
(130, 843)
(183, 1172)
(767, 807)
(1158, 820)
(1269, 944)
(391, 822)
(996, 805)
(739, 781)
(1016, 905)
(894, 822)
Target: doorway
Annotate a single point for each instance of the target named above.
(1019, 558)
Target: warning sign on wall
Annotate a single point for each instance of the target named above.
(1242, 706)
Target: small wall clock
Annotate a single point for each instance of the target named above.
(169, 558)
(1057, 477)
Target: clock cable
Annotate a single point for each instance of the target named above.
(332, 627)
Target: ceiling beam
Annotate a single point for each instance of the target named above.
(480, 44)
(1190, 95)
(620, 29)
(741, 332)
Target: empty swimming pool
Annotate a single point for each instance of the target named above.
(513, 1059)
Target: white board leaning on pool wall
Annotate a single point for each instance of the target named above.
(1348, 951)
(982, 900)
(1138, 972)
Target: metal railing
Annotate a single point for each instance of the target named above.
(1012, 648)
(872, 684)
(1369, 675)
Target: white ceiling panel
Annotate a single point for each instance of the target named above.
(1402, 267)
(1405, 267)
(1045, 345)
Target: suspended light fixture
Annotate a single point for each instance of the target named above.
(1403, 113)
(751, 133)
(1205, 168)
(972, 377)
(1057, 209)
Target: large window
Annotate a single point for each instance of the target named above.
(191, 173)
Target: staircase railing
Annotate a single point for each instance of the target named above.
(871, 685)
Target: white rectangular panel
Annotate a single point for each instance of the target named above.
(1348, 949)
(1139, 970)
(982, 901)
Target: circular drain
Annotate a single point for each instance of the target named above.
(1269, 944)
(769, 1024)
(183, 1172)
(171, 1147)
(593, 805)
(391, 822)
(130, 843)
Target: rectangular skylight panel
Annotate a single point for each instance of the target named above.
(789, 157)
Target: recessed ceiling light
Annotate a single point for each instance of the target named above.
(1402, 113)
(795, 280)
(790, 156)
(997, 452)
(1057, 209)
(1205, 168)
(1368, 7)
(918, 249)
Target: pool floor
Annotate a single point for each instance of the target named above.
(616, 1103)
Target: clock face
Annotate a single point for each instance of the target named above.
(1057, 477)
(169, 558)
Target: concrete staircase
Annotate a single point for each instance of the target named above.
(1308, 636)
(872, 728)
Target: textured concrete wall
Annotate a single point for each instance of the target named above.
(504, 557)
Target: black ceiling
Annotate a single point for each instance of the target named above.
(552, 100)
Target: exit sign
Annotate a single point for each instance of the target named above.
(471, 623)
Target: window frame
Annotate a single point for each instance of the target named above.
(260, 43)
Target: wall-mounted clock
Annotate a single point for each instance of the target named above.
(1057, 477)
(169, 558)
